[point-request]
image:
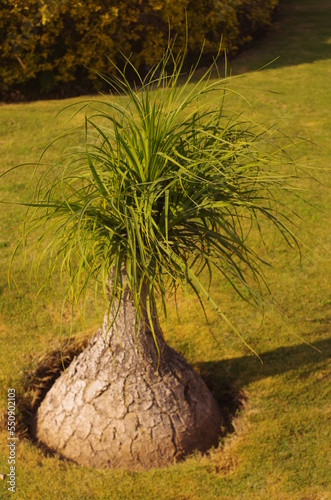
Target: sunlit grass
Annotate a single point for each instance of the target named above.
(281, 445)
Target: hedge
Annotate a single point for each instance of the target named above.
(46, 46)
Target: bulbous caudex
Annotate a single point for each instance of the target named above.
(121, 405)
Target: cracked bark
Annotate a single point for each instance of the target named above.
(113, 408)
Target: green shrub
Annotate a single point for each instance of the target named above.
(46, 46)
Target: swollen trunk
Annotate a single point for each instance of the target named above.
(118, 405)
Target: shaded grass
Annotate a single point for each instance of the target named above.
(281, 444)
(300, 34)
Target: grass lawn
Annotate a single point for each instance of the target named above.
(279, 447)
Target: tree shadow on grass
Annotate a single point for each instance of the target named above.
(299, 34)
(227, 378)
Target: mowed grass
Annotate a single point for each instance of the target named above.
(280, 444)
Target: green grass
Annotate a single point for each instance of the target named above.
(281, 445)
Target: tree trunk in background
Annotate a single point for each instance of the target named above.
(112, 408)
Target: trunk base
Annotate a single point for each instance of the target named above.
(112, 409)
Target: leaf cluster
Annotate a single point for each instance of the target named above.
(167, 184)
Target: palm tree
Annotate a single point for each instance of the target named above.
(166, 188)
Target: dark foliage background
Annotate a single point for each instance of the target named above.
(46, 46)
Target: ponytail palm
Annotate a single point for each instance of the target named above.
(168, 183)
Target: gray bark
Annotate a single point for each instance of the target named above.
(118, 405)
